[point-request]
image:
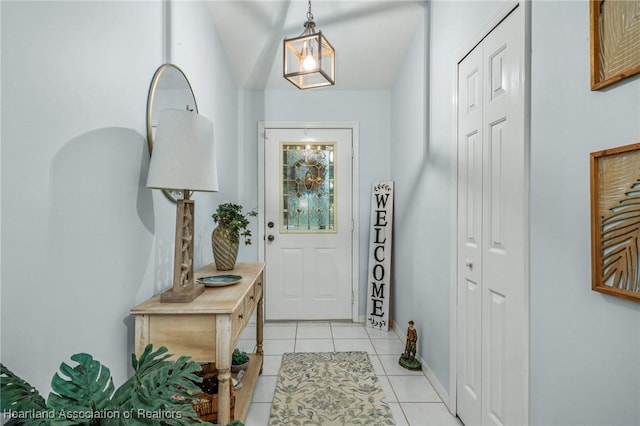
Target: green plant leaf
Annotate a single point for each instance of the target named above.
(161, 388)
(230, 217)
(18, 396)
(86, 390)
(239, 357)
(150, 360)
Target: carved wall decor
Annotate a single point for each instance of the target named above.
(615, 41)
(615, 221)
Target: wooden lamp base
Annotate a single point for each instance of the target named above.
(185, 295)
(184, 289)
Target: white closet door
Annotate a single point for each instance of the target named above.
(492, 364)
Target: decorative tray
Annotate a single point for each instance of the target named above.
(220, 280)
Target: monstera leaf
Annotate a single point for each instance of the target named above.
(160, 388)
(18, 396)
(87, 389)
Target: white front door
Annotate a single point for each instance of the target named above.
(492, 262)
(308, 224)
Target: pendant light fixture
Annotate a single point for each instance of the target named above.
(309, 59)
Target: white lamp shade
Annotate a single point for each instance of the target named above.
(183, 156)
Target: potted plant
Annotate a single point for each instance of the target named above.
(239, 360)
(225, 239)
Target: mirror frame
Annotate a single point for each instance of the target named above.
(172, 195)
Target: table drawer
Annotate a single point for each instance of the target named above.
(249, 304)
(191, 335)
(241, 316)
(258, 288)
(238, 320)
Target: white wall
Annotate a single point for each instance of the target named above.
(83, 239)
(585, 345)
(77, 223)
(196, 48)
(421, 171)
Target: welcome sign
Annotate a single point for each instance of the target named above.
(380, 256)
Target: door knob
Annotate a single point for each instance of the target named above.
(271, 238)
(270, 224)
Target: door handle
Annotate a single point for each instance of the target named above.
(271, 238)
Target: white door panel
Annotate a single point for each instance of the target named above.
(308, 202)
(470, 155)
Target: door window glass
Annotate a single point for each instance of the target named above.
(307, 186)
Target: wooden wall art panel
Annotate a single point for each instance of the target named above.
(615, 221)
(615, 41)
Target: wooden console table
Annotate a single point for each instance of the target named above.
(208, 328)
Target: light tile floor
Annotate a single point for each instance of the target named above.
(413, 400)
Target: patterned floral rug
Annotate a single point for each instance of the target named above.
(327, 389)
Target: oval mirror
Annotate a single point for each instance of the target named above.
(169, 89)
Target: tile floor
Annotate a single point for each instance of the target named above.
(413, 400)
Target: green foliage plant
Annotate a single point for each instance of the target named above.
(239, 357)
(161, 392)
(230, 217)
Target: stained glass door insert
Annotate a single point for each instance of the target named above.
(308, 183)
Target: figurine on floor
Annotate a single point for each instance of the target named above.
(408, 358)
(412, 338)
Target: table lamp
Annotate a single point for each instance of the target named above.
(183, 159)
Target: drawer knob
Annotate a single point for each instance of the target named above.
(240, 316)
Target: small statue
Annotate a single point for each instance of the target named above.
(412, 338)
(408, 358)
(237, 381)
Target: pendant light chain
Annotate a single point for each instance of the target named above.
(309, 14)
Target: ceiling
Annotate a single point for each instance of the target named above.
(370, 38)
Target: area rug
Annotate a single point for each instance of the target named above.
(327, 389)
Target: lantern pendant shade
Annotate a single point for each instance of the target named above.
(309, 60)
